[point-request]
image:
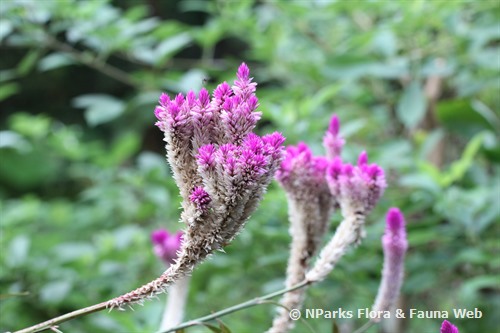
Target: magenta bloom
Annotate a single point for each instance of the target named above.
(359, 185)
(395, 244)
(210, 144)
(166, 245)
(332, 141)
(301, 168)
(394, 240)
(448, 327)
(200, 198)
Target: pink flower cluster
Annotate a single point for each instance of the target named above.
(300, 167)
(215, 157)
(221, 168)
(166, 245)
(361, 185)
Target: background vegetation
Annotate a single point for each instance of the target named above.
(84, 180)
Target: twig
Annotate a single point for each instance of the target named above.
(68, 316)
(234, 308)
(365, 327)
(93, 62)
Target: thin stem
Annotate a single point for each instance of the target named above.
(365, 327)
(93, 62)
(68, 316)
(234, 308)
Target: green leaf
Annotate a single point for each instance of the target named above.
(10, 139)
(100, 108)
(28, 62)
(458, 168)
(464, 117)
(55, 292)
(171, 45)
(212, 328)
(54, 60)
(18, 251)
(5, 28)
(412, 105)
(35, 127)
(123, 148)
(223, 327)
(7, 90)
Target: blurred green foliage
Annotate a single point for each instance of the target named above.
(83, 179)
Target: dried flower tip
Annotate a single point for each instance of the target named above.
(448, 327)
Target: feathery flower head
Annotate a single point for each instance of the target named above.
(394, 238)
(332, 141)
(221, 169)
(362, 184)
(395, 244)
(216, 160)
(301, 168)
(200, 198)
(166, 245)
(448, 327)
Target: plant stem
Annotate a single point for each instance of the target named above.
(237, 307)
(365, 327)
(93, 62)
(68, 316)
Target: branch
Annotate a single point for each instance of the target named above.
(68, 316)
(234, 308)
(93, 62)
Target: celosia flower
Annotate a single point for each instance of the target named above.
(166, 245)
(200, 198)
(221, 168)
(359, 186)
(356, 188)
(310, 205)
(395, 244)
(448, 327)
(332, 141)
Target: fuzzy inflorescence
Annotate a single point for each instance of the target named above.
(310, 204)
(220, 166)
(395, 244)
(315, 186)
(356, 189)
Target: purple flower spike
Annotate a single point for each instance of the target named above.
(448, 327)
(166, 245)
(301, 171)
(357, 186)
(395, 244)
(206, 156)
(394, 239)
(243, 72)
(332, 141)
(362, 159)
(200, 198)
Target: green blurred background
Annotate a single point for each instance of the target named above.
(83, 178)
